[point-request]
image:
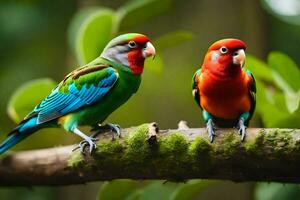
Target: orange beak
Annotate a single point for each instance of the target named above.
(149, 50)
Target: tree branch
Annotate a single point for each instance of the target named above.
(176, 155)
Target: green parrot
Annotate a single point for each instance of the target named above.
(89, 94)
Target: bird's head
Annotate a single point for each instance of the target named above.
(227, 53)
(130, 50)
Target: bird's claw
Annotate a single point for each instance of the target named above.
(114, 128)
(210, 130)
(89, 142)
(241, 128)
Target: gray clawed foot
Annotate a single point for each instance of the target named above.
(90, 142)
(210, 130)
(241, 128)
(114, 128)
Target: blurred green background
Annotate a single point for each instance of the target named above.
(41, 41)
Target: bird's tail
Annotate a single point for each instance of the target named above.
(23, 130)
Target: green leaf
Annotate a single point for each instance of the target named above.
(291, 121)
(90, 31)
(117, 189)
(276, 191)
(137, 11)
(267, 105)
(27, 97)
(158, 190)
(292, 98)
(172, 39)
(286, 68)
(190, 189)
(259, 69)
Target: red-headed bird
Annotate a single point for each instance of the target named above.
(89, 94)
(224, 90)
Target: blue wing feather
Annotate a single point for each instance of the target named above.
(58, 103)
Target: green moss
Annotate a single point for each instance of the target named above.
(228, 146)
(138, 148)
(175, 143)
(173, 158)
(138, 136)
(279, 140)
(76, 160)
(106, 152)
(255, 146)
(199, 151)
(109, 153)
(200, 148)
(297, 146)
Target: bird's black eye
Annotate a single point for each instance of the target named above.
(132, 44)
(223, 50)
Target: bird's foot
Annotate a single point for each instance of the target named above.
(241, 128)
(211, 130)
(89, 142)
(115, 129)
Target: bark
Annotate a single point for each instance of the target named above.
(143, 152)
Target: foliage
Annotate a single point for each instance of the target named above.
(278, 90)
(276, 191)
(92, 28)
(147, 190)
(21, 103)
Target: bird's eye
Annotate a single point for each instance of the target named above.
(223, 50)
(132, 44)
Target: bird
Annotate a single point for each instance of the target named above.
(89, 94)
(224, 89)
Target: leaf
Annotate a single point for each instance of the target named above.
(136, 195)
(172, 39)
(27, 97)
(117, 189)
(291, 121)
(276, 191)
(267, 105)
(137, 11)
(158, 190)
(90, 31)
(190, 189)
(292, 98)
(286, 68)
(259, 69)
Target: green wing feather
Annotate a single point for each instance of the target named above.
(252, 93)
(195, 90)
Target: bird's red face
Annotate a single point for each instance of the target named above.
(226, 53)
(130, 50)
(140, 48)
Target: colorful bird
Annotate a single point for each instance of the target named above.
(224, 90)
(89, 94)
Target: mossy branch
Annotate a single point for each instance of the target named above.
(176, 155)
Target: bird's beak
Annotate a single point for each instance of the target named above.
(149, 50)
(239, 57)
